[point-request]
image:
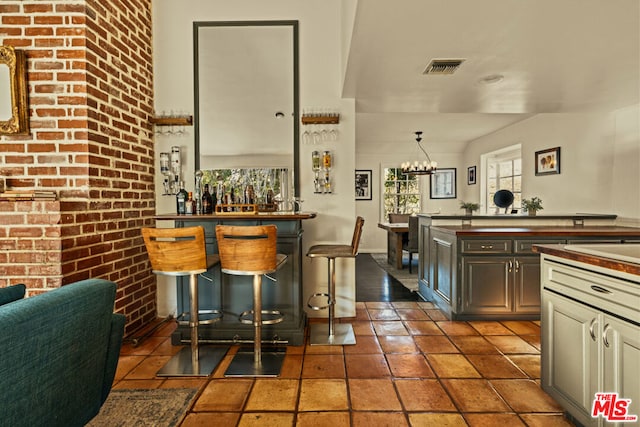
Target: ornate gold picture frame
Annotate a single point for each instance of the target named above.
(14, 109)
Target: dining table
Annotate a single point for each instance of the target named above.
(396, 232)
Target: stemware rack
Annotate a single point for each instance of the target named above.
(172, 121)
(320, 119)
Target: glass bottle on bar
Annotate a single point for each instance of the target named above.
(181, 199)
(207, 201)
(190, 205)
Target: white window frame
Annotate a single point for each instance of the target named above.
(511, 152)
(383, 217)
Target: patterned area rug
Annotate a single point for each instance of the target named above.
(409, 281)
(153, 408)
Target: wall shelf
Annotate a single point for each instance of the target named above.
(172, 121)
(321, 120)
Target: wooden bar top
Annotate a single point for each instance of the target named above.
(538, 217)
(260, 216)
(539, 230)
(610, 263)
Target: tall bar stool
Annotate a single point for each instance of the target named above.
(181, 252)
(340, 334)
(251, 251)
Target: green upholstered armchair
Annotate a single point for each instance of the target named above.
(58, 353)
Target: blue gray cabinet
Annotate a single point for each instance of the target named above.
(233, 294)
(492, 272)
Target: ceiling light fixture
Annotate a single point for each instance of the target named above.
(427, 167)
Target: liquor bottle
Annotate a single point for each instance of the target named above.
(190, 205)
(207, 201)
(181, 199)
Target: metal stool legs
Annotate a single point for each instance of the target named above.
(257, 363)
(338, 334)
(194, 360)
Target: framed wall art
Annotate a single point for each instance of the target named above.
(443, 184)
(363, 184)
(548, 161)
(471, 175)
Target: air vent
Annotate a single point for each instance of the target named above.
(443, 66)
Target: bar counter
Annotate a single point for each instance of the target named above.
(233, 294)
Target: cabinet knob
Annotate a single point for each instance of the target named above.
(486, 247)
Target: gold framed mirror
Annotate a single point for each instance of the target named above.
(14, 110)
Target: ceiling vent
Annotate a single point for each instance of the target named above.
(443, 66)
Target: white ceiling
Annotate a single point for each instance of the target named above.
(555, 56)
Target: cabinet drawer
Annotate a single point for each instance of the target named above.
(598, 290)
(486, 246)
(525, 246)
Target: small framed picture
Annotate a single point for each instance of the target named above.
(548, 161)
(471, 175)
(443, 184)
(363, 184)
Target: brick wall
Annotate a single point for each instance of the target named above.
(90, 85)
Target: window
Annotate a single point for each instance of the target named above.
(503, 172)
(401, 193)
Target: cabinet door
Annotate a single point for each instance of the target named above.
(443, 263)
(621, 342)
(570, 354)
(486, 284)
(527, 284)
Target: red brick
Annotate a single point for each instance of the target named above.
(38, 8)
(25, 232)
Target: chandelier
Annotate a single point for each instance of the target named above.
(427, 167)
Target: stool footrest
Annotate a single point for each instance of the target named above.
(330, 302)
(187, 315)
(246, 317)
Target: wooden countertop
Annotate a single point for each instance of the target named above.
(282, 216)
(610, 263)
(539, 230)
(539, 216)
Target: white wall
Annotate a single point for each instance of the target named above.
(374, 239)
(592, 147)
(320, 52)
(600, 167)
(626, 165)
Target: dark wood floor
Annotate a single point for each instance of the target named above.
(374, 284)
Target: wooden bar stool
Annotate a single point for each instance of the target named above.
(251, 251)
(341, 334)
(181, 252)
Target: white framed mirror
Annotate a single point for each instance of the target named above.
(246, 111)
(14, 110)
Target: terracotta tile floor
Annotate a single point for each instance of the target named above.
(409, 368)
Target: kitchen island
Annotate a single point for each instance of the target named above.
(489, 271)
(590, 330)
(233, 294)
